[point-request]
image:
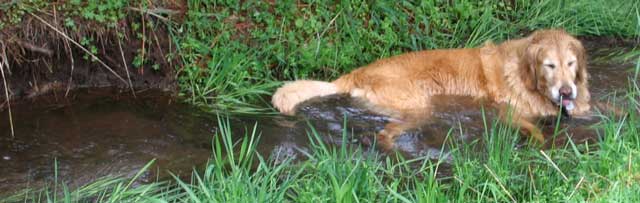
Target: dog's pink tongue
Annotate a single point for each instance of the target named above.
(566, 102)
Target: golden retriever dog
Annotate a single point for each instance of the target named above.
(527, 78)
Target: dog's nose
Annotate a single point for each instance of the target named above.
(565, 91)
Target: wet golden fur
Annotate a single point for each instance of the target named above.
(515, 74)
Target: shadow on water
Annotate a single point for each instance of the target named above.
(96, 132)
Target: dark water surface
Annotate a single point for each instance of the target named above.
(97, 132)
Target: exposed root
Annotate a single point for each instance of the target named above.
(3, 56)
(79, 46)
(42, 89)
(157, 12)
(144, 39)
(126, 68)
(35, 48)
(73, 62)
(44, 51)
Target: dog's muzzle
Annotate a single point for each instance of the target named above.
(566, 99)
(567, 104)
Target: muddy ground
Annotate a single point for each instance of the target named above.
(38, 75)
(41, 55)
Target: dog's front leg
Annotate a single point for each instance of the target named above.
(387, 137)
(510, 116)
(533, 130)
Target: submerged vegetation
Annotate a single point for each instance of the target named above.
(230, 55)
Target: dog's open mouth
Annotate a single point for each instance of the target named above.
(567, 103)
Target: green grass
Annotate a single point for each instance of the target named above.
(498, 171)
(293, 40)
(232, 68)
(230, 55)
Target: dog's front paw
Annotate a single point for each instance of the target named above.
(537, 136)
(385, 141)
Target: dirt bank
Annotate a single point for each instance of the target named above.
(51, 48)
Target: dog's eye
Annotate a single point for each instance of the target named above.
(571, 63)
(550, 66)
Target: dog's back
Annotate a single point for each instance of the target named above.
(402, 82)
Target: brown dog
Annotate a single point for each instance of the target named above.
(534, 76)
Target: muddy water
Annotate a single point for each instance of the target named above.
(93, 133)
(97, 132)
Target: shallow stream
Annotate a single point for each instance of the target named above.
(93, 133)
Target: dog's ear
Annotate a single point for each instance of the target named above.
(581, 55)
(529, 72)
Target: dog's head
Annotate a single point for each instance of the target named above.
(556, 66)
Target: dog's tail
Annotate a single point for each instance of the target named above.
(291, 94)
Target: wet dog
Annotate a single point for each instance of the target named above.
(540, 75)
